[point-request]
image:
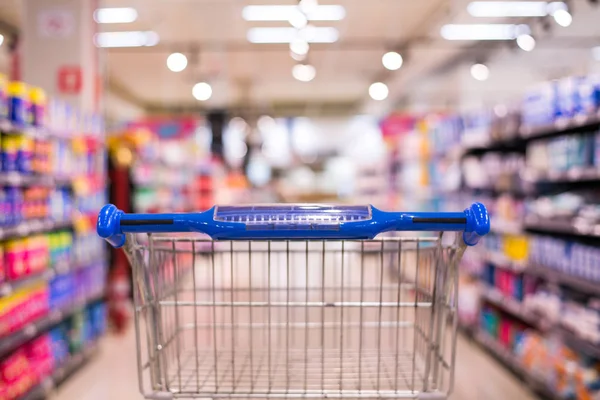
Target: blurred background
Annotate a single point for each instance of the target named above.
(429, 105)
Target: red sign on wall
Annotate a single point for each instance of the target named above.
(69, 79)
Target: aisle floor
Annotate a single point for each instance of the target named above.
(112, 375)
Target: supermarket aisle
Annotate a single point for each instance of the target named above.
(112, 375)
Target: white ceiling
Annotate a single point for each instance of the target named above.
(213, 35)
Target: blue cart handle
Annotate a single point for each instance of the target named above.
(292, 222)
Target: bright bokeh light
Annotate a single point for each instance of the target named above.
(299, 47)
(177, 62)
(480, 72)
(563, 18)
(304, 72)
(202, 91)
(378, 91)
(526, 42)
(392, 60)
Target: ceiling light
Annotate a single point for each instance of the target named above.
(392, 60)
(526, 42)
(299, 47)
(115, 15)
(177, 62)
(1, 39)
(298, 20)
(308, 6)
(311, 34)
(596, 53)
(508, 8)
(304, 72)
(126, 39)
(202, 91)
(378, 91)
(483, 31)
(480, 72)
(298, 57)
(563, 18)
(287, 12)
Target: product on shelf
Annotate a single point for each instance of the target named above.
(566, 256)
(30, 364)
(570, 374)
(22, 307)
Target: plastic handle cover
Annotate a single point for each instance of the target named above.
(292, 222)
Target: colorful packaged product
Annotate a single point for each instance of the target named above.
(17, 103)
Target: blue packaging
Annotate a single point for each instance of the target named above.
(14, 201)
(540, 105)
(588, 93)
(518, 287)
(567, 97)
(60, 344)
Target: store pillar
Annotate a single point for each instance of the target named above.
(58, 51)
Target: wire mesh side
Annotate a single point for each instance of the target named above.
(284, 319)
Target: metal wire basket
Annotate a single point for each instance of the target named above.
(294, 318)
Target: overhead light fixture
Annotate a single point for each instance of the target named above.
(508, 8)
(298, 19)
(177, 62)
(202, 91)
(286, 13)
(563, 18)
(392, 60)
(526, 42)
(483, 31)
(500, 9)
(308, 6)
(596, 53)
(480, 72)
(304, 72)
(378, 91)
(126, 39)
(311, 34)
(298, 57)
(299, 47)
(121, 15)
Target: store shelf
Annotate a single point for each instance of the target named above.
(500, 260)
(506, 227)
(34, 226)
(581, 227)
(19, 179)
(61, 373)
(536, 382)
(513, 307)
(60, 268)
(577, 343)
(561, 126)
(562, 278)
(571, 176)
(12, 341)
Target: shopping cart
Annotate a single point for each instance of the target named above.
(294, 301)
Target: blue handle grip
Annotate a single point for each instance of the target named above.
(292, 222)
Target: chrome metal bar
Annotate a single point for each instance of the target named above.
(360, 337)
(233, 319)
(214, 317)
(196, 342)
(342, 326)
(269, 323)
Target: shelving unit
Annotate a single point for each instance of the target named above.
(536, 382)
(522, 182)
(57, 196)
(62, 373)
